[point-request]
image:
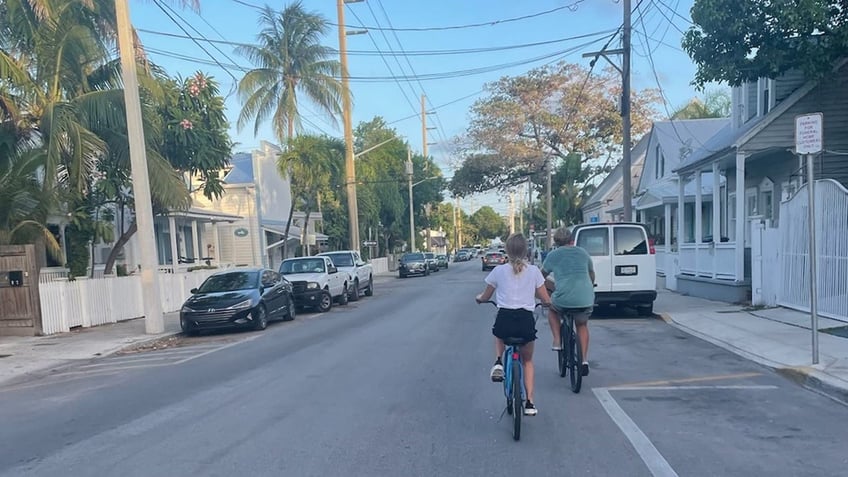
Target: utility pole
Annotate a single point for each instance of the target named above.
(350, 167)
(511, 212)
(459, 222)
(521, 212)
(153, 322)
(625, 115)
(409, 171)
(424, 125)
(550, 235)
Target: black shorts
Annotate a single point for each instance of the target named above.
(515, 324)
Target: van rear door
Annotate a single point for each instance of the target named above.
(596, 241)
(634, 266)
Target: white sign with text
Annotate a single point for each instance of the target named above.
(808, 133)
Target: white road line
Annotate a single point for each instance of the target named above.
(652, 458)
(159, 356)
(235, 343)
(687, 388)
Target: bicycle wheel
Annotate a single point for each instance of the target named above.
(507, 382)
(575, 361)
(562, 354)
(517, 401)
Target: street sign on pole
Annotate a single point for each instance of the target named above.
(808, 141)
(369, 243)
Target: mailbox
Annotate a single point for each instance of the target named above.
(16, 278)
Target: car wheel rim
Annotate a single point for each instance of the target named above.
(325, 301)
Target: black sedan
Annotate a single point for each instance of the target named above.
(239, 298)
(413, 264)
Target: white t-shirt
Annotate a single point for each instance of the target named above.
(515, 291)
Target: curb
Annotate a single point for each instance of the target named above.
(139, 343)
(807, 377)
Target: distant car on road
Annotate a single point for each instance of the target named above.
(492, 260)
(461, 256)
(442, 260)
(239, 298)
(361, 273)
(413, 264)
(316, 282)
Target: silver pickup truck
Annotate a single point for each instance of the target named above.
(360, 271)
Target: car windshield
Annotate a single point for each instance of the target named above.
(341, 259)
(232, 281)
(428, 255)
(412, 256)
(307, 265)
(441, 257)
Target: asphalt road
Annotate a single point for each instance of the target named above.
(397, 385)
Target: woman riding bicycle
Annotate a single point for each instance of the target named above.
(515, 285)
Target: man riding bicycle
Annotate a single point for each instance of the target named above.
(574, 279)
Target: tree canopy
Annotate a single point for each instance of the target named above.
(736, 41)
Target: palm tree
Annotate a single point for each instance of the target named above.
(290, 60)
(310, 162)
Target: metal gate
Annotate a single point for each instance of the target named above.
(831, 245)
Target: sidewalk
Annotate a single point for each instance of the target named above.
(23, 356)
(778, 338)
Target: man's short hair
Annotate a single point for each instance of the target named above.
(562, 236)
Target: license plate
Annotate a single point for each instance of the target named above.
(628, 270)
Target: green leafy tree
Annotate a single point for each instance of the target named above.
(291, 61)
(488, 223)
(716, 104)
(736, 41)
(309, 162)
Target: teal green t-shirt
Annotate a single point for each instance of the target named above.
(570, 267)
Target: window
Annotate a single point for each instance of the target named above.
(660, 164)
(595, 241)
(630, 241)
(766, 99)
(766, 198)
(731, 214)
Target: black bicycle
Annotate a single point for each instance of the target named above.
(570, 354)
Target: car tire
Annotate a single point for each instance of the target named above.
(354, 292)
(260, 318)
(401, 275)
(645, 310)
(370, 290)
(427, 272)
(292, 312)
(344, 297)
(326, 303)
(187, 328)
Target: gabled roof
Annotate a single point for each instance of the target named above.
(611, 187)
(242, 171)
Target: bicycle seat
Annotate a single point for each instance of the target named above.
(514, 341)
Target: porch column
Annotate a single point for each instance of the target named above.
(216, 242)
(172, 231)
(716, 216)
(699, 221)
(62, 245)
(740, 216)
(196, 243)
(667, 228)
(681, 213)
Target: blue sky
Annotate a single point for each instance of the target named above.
(232, 21)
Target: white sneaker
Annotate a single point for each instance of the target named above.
(530, 409)
(497, 373)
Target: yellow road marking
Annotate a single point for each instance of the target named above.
(671, 382)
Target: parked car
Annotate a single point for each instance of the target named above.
(361, 273)
(238, 298)
(432, 263)
(492, 260)
(625, 263)
(442, 260)
(413, 264)
(316, 282)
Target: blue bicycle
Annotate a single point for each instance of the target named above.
(514, 379)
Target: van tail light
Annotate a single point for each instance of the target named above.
(651, 249)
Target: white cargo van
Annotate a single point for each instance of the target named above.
(625, 263)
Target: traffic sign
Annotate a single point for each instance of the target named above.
(369, 243)
(808, 133)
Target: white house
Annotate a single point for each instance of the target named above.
(606, 204)
(749, 168)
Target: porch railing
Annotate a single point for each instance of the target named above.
(709, 260)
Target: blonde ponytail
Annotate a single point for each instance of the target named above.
(516, 250)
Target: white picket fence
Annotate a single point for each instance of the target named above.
(93, 302)
(831, 246)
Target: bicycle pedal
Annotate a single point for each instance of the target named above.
(497, 379)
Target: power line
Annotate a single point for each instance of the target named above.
(571, 7)
(670, 21)
(446, 52)
(675, 13)
(443, 105)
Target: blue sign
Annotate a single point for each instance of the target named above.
(594, 219)
(240, 232)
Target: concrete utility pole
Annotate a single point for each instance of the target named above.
(550, 236)
(153, 322)
(625, 115)
(409, 171)
(424, 125)
(350, 167)
(511, 213)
